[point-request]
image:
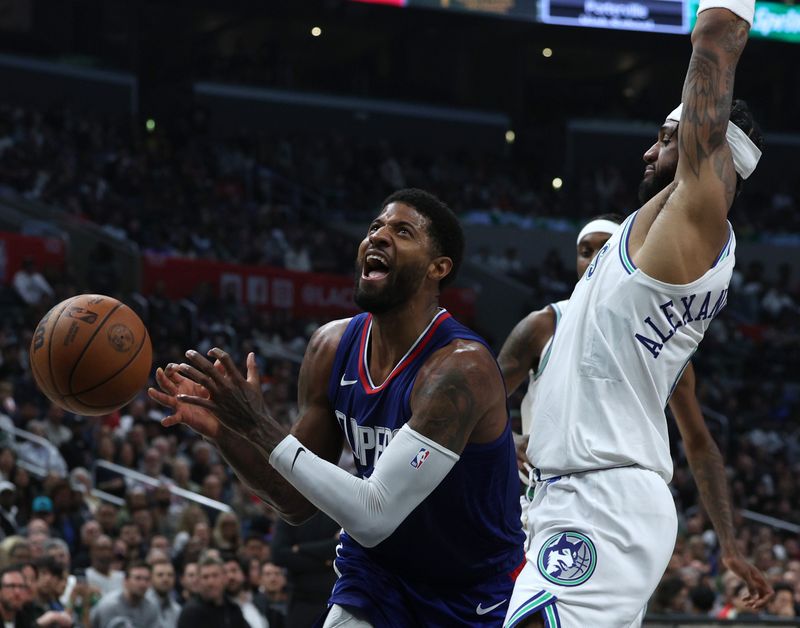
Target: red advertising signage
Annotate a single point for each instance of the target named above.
(46, 253)
(304, 294)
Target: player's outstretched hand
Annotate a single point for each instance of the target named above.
(233, 399)
(172, 384)
(759, 591)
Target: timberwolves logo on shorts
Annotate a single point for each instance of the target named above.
(567, 558)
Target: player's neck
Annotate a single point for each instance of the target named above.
(393, 333)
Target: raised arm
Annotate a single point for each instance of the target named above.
(523, 347)
(679, 233)
(705, 167)
(706, 465)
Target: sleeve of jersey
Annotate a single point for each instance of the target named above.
(369, 509)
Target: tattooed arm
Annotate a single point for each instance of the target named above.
(459, 397)
(706, 465)
(524, 345)
(684, 228)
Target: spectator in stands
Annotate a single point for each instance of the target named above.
(161, 593)
(226, 536)
(129, 602)
(239, 594)
(701, 600)
(271, 598)
(58, 550)
(106, 516)
(30, 284)
(42, 508)
(50, 585)
(130, 533)
(211, 608)
(14, 591)
(190, 581)
(43, 455)
(54, 428)
(307, 552)
(782, 605)
(671, 596)
(100, 574)
(8, 509)
(90, 532)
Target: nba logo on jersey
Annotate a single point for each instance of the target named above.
(567, 558)
(420, 458)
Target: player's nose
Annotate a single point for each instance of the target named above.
(651, 154)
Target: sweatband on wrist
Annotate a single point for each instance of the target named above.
(597, 226)
(744, 152)
(369, 509)
(745, 9)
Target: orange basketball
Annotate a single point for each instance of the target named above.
(91, 354)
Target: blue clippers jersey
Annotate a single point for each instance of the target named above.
(468, 529)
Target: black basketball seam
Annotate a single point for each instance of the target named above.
(50, 350)
(88, 343)
(117, 372)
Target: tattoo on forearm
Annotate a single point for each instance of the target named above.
(709, 475)
(707, 96)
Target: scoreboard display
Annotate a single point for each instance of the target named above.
(773, 20)
(657, 16)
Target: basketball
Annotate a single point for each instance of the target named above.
(91, 354)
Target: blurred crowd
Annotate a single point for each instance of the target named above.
(81, 542)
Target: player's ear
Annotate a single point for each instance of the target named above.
(440, 267)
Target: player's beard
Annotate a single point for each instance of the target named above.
(400, 286)
(650, 186)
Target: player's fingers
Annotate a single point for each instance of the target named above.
(203, 365)
(227, 363)
(219, 367)
(169, 421)
(206, 381)
(164, 382)
(252, 369)
(162, 398)
(197, 401)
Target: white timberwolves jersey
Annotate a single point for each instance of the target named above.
(619, 351)
(526, 407)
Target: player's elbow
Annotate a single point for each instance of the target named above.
(712, 33)
(371, 533)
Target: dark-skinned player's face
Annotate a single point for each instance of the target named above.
(662, 162)
(393, 260)
(588, 247)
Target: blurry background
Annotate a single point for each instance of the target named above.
(214, 165)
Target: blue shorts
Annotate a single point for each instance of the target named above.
(390, 601)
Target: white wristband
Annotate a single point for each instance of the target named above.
(745, 9)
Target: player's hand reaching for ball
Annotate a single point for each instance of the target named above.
(759, 591)
(236, 401)
(172, 384)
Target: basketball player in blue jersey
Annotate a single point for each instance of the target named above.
(602, 521)
(432, 535)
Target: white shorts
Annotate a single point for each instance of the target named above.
(598, 545)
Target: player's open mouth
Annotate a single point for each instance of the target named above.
(649, 170)
(375, 267)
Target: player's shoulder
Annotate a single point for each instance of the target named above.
(464, 354)
(329, 334)
(540, 324)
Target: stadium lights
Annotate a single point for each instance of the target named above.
(557, 183)
(510, 136)
(547, 52)
(316, 31)
(150, 125)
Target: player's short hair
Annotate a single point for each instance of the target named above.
(742, 117)
(444, 227)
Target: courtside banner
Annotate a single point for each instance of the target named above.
(303, 294)
(46, 253)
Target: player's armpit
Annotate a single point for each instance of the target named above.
(459, 397)
(523, 347)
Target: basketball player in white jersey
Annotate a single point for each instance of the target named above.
(602, 520)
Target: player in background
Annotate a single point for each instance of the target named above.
(431, 523)
(602, 519)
